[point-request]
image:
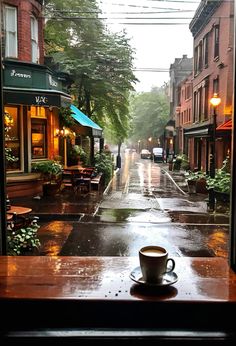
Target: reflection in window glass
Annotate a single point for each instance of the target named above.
(12, 138)
(38, 138)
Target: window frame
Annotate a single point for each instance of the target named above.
(216, 41)
(11, 51)
(34, 26)
(43, 124)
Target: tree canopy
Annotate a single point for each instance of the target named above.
(150, 113)
(100, 62)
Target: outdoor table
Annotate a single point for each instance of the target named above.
(18, 210)
(18, 216)
(79, 177)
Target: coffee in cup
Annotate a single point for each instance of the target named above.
(154, 263)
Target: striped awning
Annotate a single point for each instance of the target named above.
(225, 126)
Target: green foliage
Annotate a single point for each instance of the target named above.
(65, 117)
(9, 156)
(100, 62)
(51, 170)
(221, 182)
(77, 153)
(104, 164)
(181, 162)
(22, 240)
(8, 121)
(194, 176)
(150, 113)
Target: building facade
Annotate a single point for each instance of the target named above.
(32, 95)
(183, 117)
(212, 30)
(181, 68)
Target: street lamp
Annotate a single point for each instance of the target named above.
(64, 133)
(214, 101)
(150, 143)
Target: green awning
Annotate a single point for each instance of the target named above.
(83, 120)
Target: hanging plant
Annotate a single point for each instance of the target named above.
(65, 117)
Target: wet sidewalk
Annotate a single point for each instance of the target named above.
(118, 222)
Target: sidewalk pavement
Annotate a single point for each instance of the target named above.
(68, 205)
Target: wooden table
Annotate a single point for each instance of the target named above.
(18, 210)
(86, 297)
(18, 216)
(76, 172)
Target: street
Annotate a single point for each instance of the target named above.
(143, 206)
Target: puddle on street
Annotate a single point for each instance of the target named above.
(132, 215)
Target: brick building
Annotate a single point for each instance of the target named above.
(212, 30)
(32, 94)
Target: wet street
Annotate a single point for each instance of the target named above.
(143, 206)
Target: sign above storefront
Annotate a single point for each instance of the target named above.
(29, 98)
(30, 76)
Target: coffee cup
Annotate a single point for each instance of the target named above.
(154, 263)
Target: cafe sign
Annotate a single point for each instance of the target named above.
(34, 78)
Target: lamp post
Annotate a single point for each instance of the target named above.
(214, 101)
(150, 143)
(64, 133)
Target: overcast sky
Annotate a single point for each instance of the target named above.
(156, 46)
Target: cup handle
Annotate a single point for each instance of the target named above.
(172, 266)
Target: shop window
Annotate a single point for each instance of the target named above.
(10, 27)
(38, 138)
(12, 138)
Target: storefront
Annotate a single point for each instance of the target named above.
(32, 97)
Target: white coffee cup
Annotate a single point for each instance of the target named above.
(153, 263)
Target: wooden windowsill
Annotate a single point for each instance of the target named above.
(108, 278)
(94, 292)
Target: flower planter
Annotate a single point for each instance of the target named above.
(51, 189)
(201, 186)
(170, 166)
(192, 186)
(222, 197)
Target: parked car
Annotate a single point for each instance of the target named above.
(145, 154)
(158, 154)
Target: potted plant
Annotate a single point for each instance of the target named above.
(104, 164)
(197, 181)
(77, 155)
(221, 184)
(51, 173)
(23, 241)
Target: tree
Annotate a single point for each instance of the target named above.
(99, 61)
(150, 113)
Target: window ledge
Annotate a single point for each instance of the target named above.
(94, 292)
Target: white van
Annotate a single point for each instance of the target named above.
(158, 154)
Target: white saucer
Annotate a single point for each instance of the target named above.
(168, 278)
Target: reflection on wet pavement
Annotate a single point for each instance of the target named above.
(125, 239)
(143, 206)
(132, 215)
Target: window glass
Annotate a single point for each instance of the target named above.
(11, 32)
(216, 43)
(34, 40)
(12, 138)
(38, 138)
